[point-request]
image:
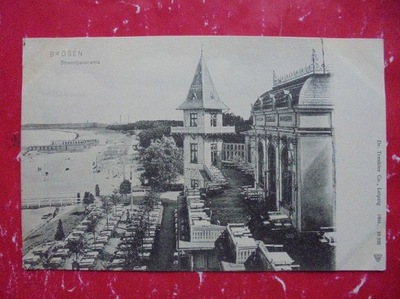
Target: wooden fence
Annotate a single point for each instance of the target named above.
(35, 203)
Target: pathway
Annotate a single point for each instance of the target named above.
(229, 207)
(165, 245)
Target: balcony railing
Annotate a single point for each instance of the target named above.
(202, 130)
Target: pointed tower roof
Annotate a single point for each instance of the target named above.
(202, 93)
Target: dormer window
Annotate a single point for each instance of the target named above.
(193, 119)
(213, 119)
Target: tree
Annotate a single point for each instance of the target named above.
(115, 199)
(157, 132)
(241, 125)
(88, 198)
(107, 208)
(91, 228)
(162, 162)
(146, 136)
(125, 187)
(128, 217)
(60, 232)
(133, 258)
(150, 200)
(76, 247)
(97, 190)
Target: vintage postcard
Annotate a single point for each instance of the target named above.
(203, 154)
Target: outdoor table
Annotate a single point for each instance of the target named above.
(123, 247)
(31, 259)
(63, 253)
(145, 255)
(120, 254)
(87, 262)
(129, 234)
(97, 246)
(60, 244)
(81, 227)
(118, 262)
(41, 250)
(91, 254)
(100, 242)
(56, 262)
(77, 233)
(148, 240)
(147, 247)
(125, 240)
(71, 237)
(105, 233)
(103, 240)
(150, 233)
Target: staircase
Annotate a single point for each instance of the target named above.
(217, 176)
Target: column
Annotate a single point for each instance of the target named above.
(276, 140)
(295, 202)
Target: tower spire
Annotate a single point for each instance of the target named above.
(323, 55)
(202, 92)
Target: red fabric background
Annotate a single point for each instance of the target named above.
(68, 18)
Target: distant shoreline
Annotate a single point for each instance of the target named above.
(69, 137)
(76, 133)
(67, 126)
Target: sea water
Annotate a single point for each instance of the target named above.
(44, 137)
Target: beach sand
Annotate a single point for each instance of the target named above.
(114, 156)
(71, 172)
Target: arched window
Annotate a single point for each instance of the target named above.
(271, 175)
(287, 176)
(249, 152)
(261, 164)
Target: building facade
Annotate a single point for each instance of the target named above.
(202, 128)
(291, 147)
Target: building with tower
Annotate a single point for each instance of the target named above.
(202, 129)
(202, 146)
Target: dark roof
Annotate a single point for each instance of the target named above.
(316, 91)
(312, 90)
(205, 176)
(202, 93)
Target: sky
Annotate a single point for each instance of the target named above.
(149, 77)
